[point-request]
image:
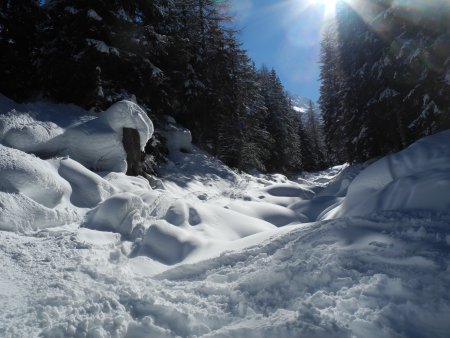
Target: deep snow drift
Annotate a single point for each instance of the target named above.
(354, 251)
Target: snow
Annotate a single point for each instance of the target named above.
(300, 104)
(71, 10)
(299, 109)
(55, 130)
(93, 15)
(353, 251)
(178, 138)
(123, 213)
(388, 93)
(102, 47)
(415, 178)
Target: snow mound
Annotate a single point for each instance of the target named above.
(178, 138)
(97, 144)
(32, 177)
(124, 183)
(215, 222)
(88, 189)
(124, 213)
(168, 244)
(21, 131)
(284, 194)
(415, 178)
(272, 213)
(56, 130)
(127, 114)
(311, 209)
(19, 213)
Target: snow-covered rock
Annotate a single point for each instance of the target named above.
(93, 140)
(127, 114)
(167, 243)
(178, 138)
(122, 213)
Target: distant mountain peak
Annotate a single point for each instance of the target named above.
(301, 104)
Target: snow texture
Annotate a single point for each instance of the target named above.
(213, 253)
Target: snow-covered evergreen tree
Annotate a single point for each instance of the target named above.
(19, 45)
(384, 70)
(109, 48)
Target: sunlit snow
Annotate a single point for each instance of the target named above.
(86, 251)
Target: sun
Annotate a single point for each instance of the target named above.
(328, 5)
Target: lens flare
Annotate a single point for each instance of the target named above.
(329, 6)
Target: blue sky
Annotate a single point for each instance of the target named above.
(284, 35)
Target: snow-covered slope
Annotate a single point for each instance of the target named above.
(212, 252)
(301, 104)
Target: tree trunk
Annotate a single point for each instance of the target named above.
(132, 146)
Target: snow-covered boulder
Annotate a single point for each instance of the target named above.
(124, 213)
(415, 178)
(94, 140)
(272, 213)
(284, 194)
(98, 145)
(168, 244)
(178, 138)
(127, 114)
(95, 145)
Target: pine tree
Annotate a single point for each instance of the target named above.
(282, 124)
(108, 48)
(19, 43)
(315, 139)
(383, 74)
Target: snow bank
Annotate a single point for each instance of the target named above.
(21, 131)
(32, 193)
(19, 213)
(415, 178)
(62, 130)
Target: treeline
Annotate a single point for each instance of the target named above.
(385, 76)
(174, 57)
